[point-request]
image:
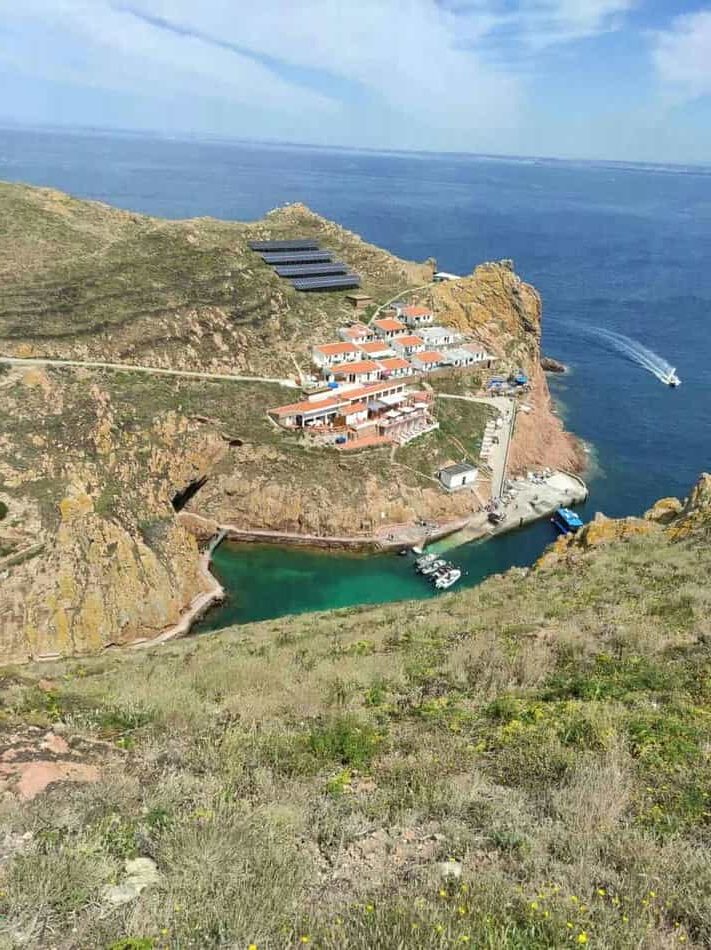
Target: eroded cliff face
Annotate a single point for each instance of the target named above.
(92, 552)
(505, 313)
(502, 310)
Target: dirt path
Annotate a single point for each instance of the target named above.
(139, 368)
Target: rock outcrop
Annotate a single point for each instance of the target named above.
(670, 518)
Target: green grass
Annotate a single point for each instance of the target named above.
(460, 434)
(550, 733)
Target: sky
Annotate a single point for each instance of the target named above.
(597, 79)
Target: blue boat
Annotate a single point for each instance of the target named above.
(566, 521)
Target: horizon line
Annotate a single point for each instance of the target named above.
(208, 138)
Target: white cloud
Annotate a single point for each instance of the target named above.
(399, 73)
(404, 53)
(94, 44)
(545, 23)
(682, 54)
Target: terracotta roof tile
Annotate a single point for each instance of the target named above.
(389, 324)
(360, 366)
(334, 349)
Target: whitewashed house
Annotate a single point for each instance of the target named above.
(416, 316)
(388, 328)
(396, 367)
(330, 354)
(428, 360)
(436, 337)
(362, 371)
(454, 477)
(408, 345)
(356, 333)
(376, 350)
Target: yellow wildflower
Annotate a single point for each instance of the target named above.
(252, 946)
(439, 928)
(369, 908)
(601, 891)
(305, 938)
(442, 892)
(582, 937)
(534, 905)
(462, 911)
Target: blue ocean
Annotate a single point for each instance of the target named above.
(619, 247)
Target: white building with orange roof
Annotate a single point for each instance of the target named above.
(415, 316)
(408, 345)
(357, 333)
(376, 350)
(330, 354)
(362, 371)
(428, 360)
(396, 367)
(388, 328)
(436, 337)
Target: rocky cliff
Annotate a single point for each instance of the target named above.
(90, 550)
(505, 313)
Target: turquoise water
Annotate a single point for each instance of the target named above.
(620, 247)
(266, 581)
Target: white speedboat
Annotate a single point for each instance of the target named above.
(671, 379)
(425, 561)
(447, 578)
(433, 567)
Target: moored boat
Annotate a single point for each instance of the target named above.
(424, 561)
(447, 578)
(566, 521)
(435, 566)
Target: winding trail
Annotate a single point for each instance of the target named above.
(140, 368)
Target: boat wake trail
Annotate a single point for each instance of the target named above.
(634, 351)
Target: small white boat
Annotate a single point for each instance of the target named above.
(422, 562)
(433, 567)
(447, 578)
(671, 379)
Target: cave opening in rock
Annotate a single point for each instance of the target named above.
(181, 498)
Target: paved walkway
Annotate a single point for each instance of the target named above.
(140, 368)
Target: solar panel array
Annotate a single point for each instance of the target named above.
(301, 244)
(311, 270)
(308, 266)
(297, 257)
(342, 282)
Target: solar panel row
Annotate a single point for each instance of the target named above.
(311, 270)
(298, 257)
(301, 244)
(326, 283)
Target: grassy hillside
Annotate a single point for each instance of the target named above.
(521, 765)
(81, 278)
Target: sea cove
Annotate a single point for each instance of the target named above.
(619, 247)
